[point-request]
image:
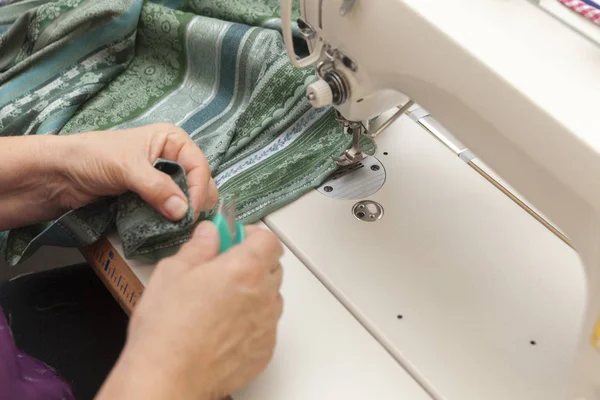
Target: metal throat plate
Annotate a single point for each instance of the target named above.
(356, 181)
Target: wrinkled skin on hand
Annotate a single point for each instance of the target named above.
(112, 162)
(207, 323)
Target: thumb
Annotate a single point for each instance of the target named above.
(159, 190)
(203, 246)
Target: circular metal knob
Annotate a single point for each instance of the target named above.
(319, 94)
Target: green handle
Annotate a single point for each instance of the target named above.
(226, 239)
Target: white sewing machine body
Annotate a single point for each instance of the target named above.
(517, 87)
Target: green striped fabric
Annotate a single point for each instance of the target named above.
(216, 68)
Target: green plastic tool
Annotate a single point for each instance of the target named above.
(230, 231)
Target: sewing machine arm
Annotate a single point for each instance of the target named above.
(489, 71)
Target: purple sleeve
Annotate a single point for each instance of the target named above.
(24, 378)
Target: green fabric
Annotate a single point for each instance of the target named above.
(216, 68)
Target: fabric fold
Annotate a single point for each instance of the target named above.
(216, 68)
(141, 226)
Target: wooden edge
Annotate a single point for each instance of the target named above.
(115, 273)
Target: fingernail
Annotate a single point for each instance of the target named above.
(205, 229)
(176, 207)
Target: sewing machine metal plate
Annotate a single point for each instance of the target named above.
(469, 292)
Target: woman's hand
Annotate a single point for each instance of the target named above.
(41, 177)
(112, 162)
(206, 324)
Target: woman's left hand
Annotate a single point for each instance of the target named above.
(112, 162)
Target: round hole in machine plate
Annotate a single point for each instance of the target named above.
(356, 181)
(367, 211)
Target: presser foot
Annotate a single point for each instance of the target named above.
(350, 157)
(354, 154)
(357, 129)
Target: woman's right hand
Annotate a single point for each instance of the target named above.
(206, 324)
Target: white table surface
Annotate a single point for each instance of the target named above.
(323, 352)
(476, 278)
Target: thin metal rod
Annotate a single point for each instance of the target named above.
(401, 111)
(356, 134)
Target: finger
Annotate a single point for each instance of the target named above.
(262, 244)
(212, 195)
(270, 242)
(158, 189)
(198, 177)
(251, 230)
(278, 306)
(275, 277)
(181, 148)
(256, 254)
(203, 246)
(203, 195)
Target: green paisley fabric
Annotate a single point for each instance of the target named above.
(216, 68)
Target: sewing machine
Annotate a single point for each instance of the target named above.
(521, 91)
